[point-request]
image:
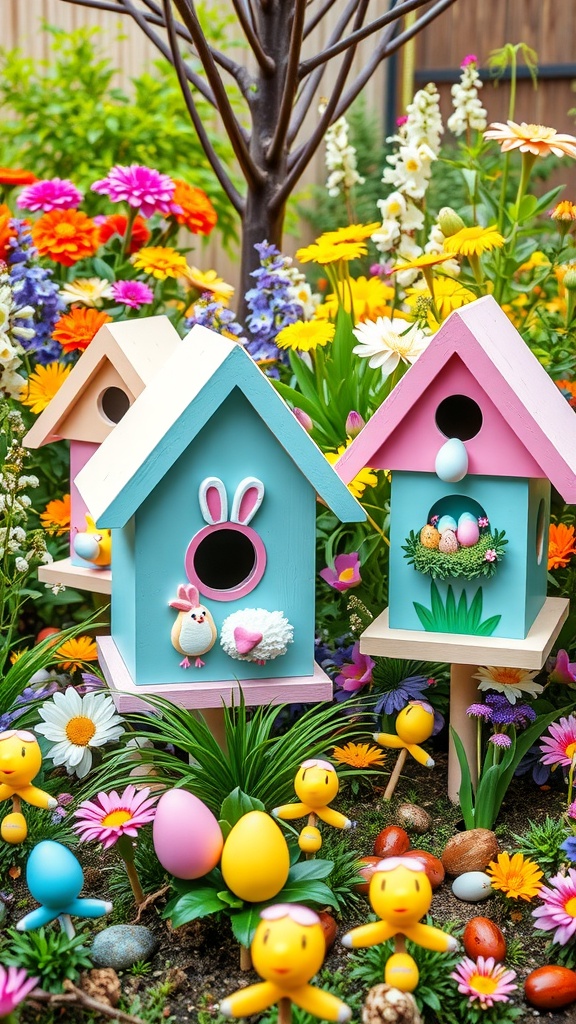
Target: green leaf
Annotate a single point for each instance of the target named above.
(488, 626)
(230, 899)
(103, 269)
(200, 902)
(425, 616)
(244, 923)
(306, 892)
(237, 804)
(306, 870)
(465, 795)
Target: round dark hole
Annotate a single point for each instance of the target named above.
(114, 404)
(459, 416)
(224, 559)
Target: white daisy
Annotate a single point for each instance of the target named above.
(514, 682)
(74, 724)
(384, 342)
(90, 291)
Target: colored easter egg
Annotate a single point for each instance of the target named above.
(452, 461)
(255, 859)
(310, 839)
(448, 543)
(468, 532)
(429, 537)
(483, 937)
(432, 866)
(187, 837)
(366, 867)
(550, 987)
(329, 927)
(446, 523)
(392, 841)
(14, 829)
(401, 972)
(467, 515)
(53, 874)
(471, 850)
(472, 887)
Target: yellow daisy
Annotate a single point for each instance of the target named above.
(517, 877)
(160, 261)
(359, 755)
(351, 233)
(474, 241)
(305, 335)
(208, 281)
(537, 259)
(330, 252)
(369, 297)
(73, 653)
(365, 478)
(56, 516)
(426, 259)
(42, 385)
(449, 294)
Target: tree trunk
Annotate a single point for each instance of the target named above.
(260, 224)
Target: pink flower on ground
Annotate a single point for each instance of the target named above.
(345, 574)
(559, 910)
(14, 987)
(563, 671)
(143, 188)
(357, 675)
(51, 194)
(560, 746)
(112, 815)
(490, 555)
(485, 980)
(132, 293)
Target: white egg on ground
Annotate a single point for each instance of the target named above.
(472, 887)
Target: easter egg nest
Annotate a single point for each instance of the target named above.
(482, 559)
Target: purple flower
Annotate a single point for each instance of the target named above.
(345, 574)
(500, 739)
(132, 293)
(209, 313)
(563, 671)
(33, 286)
(479, 711)
(569, 845)
(143, 188)
(52, 194)
(354, 423)
(303, 419)
(411, 688)
(357, 675)
(271, 303)
(14, 987)
(531, 763)
(505, 713)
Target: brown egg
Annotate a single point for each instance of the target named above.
(366, 868)
(482, 937)
(392, 841)
(432, 866)
(429, 537)
(469, 851)
(550, 987)
(448, 543)
(329, 927)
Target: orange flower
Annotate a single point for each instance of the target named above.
(115, 224)
(6, 232)
(568, 388)
(198, 214)
(531, 138)
(561, 545)
(76, 651)
(16, 176)
(56, 516)
(77, 328)
(565, 211)
(66, 236)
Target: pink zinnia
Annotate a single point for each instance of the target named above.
(357, 675)
(485, 980)
(14, 987)
(345, 574)
(559, 910)
(560, 746)
(564, 671)
(143, 188)
(132, 293)
(52, 194)
(112, 815)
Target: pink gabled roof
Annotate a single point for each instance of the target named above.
(494, 353)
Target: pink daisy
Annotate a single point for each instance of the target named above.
(485, 980)
(14, 987)
(559, 910)
(51, 194)
(560, 746)
(132, 293)
(113, 815)
(143, 188)
(345, 574)
(357, 675)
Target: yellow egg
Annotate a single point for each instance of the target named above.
(255, 860)
(401, 972)
(310, 839)
(14, 829)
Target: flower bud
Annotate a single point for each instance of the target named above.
(304, 420)
(354, 423)
(569, 280)
(450, 222)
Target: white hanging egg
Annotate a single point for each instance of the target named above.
(472, 887)
(452, 461)
(446, 523)
(468, 532)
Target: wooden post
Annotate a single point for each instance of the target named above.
(393, 780)
(284, 1011)
(463, 693)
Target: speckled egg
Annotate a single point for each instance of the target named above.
(468, 532)
(429, 537)
(472, 887)
(446, 523)
(448, 543)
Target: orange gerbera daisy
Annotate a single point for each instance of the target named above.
(76, 651)
(6, 232)
(42, 385)
(12, 176)
(76, 329)
(531, 138)
(561, 545)
(66, 236)
(198, 214)
(115, 224)
(56, 516)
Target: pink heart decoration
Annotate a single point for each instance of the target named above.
(245, 640)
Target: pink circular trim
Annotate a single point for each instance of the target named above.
(248, 584)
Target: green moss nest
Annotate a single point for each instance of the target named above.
(467, 563)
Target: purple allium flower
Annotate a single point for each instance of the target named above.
(143, 188)
(132, 293)
(357, 675)
(303, 419)
(500, 739)
(345, 574)
(555, 915)
(480, 711)
(51, 194)
(505, 713)
(354, 423)
(411, 688)
(14, 987)
(569, 846)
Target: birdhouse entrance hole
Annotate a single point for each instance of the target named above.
(540, 530)
(225, 561)
(459, 416)
(113, 404)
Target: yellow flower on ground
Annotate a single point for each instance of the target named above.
(474, 241)
(359, 755)
(160, 261)
(517, 877)
(365, 478)
(330, 252)
(368, 296)
(42, 385)
(73, 653)
(426, 259)
(351, 233)
(513, 682)
(305, 336)
(208, 281)
(56, 516)
(90, 291)
(536, 139)
(449, 294)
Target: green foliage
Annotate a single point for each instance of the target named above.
(336, 982)
(344, 875)
(150, 872)
(150, 1007)
(556, 953)
(47, 954)
(541, 842)
(450, 617)
(467, 563)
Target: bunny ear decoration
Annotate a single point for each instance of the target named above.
(247, 500)
(187, 597)
(213, 500)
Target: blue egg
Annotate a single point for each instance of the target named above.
(467, 515)
(452, 461)
(53, 874)
(446, 523)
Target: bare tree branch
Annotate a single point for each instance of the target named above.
(265, 61)
(317, 18)
(290, 84)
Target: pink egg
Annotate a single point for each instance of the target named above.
(187, 837)
(468, 533)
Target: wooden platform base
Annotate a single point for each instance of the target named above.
(97, 581)
(129, 697)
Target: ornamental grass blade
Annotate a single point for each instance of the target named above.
(465, 793)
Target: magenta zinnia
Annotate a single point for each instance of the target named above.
(560, 746)
(485, 980)
(132, 293)
(143, 188)
(51, 194)
(355, 676)
(559, 910)
(14, 987)
(112, 815)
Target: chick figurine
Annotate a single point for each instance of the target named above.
(316, 784)
(287, 950)
(20, 762)
(414, 725)
(194, 632)
(400, 893)
(94, 545)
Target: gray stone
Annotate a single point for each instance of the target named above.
(122, 945)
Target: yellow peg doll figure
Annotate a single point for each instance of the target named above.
(316, 785)
(287, 950)
(414, 725)
(20, 762)
(400, 893)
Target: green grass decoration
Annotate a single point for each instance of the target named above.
(466, 563)
(455, 617)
